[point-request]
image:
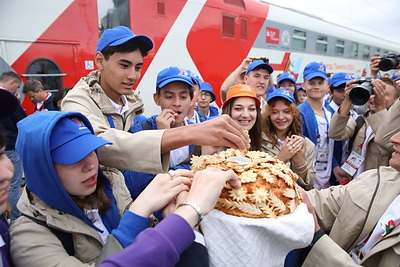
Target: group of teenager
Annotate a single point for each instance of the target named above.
(107, 186)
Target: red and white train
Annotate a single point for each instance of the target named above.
(55, 41)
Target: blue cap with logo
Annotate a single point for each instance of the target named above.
(173, 74)
(283, 93)
(287, 76)
(315, 69)
(340, 78)
(206, 87)
(71, 141)
(259, 64)
(119, 35)
(8, 103)
(195, 77)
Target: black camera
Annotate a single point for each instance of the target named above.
(390, 61)
(360, 94)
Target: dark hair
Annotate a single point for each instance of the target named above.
(59, 95)
(97, 199)
(191, 89)
(32, 85)
(340, 87)
(255, 131)
(269, 129)
(129, 46)
(9, 75)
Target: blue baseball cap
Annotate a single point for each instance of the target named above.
(195, 77)
(340, 78)
(283, 93)
(204, 86)
(8, 103)
(287, 76)
(315, 69)
(173, 74)
(119, 35)
(71, 141)
(259, 64)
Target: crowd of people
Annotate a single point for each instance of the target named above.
(107, 186)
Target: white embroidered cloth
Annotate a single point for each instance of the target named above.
(238, 241)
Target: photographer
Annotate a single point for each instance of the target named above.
(361, 130)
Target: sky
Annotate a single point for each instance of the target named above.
(377, 17)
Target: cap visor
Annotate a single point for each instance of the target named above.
(313, 75)
(175, 79)
(76, 149)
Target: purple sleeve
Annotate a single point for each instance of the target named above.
(159, 246)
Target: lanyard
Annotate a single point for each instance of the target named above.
(110, 121)
(327, 129)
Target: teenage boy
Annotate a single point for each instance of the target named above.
(107, 98)
(337, 83)
(192, 114)
(257, 75)
(316, 120)
(174, 95)
(287, 81)
(205, 98)
(42, 100)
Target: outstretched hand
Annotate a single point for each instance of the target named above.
(220, 131)
(160, 192)
(207, 185)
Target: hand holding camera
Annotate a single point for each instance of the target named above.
(389, 62)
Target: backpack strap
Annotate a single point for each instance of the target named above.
(359, 123)
(65, 238)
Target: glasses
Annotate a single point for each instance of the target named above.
(205, 94)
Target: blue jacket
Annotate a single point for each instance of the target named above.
(310, 126)
(214, 112)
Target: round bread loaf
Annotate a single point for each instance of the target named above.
(268, 185)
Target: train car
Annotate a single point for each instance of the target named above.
(55, 41)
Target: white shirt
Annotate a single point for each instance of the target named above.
(323, 176)
(121, 109)
(95, 218)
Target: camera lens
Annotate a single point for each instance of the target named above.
(360, 94)
(388, 64)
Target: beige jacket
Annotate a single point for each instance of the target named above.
(391, 127)
(309, 180)
(35, 245)
(350, 213)
(137, 152)
(343, 128)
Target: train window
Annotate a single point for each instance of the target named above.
(377, 53)
(243, 29)
(113, 13)
(160, 8)
(47, 71)
(354, 49)
(238, 3)
(299, 39)
(322, 44)
(366, 51)
(339, 47)
(228, 26)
